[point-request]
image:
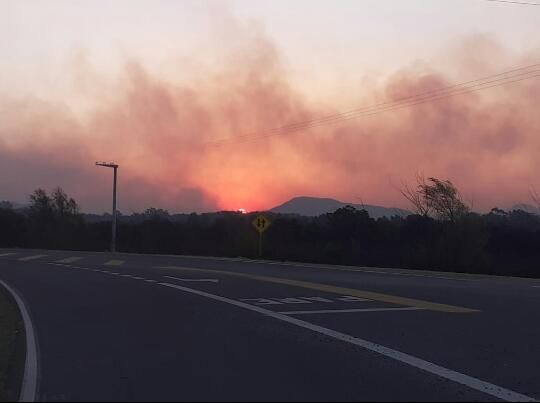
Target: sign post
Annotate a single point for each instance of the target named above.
(261, 224)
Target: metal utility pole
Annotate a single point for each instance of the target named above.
(115, 167)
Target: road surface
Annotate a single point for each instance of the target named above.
(145, 328)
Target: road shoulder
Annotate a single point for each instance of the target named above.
(12, 347)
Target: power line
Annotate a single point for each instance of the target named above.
(414, 98)
(376, 109)
(504, 78)
(522, 3)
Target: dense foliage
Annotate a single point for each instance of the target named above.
(505, 243)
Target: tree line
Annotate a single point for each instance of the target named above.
(442, 234)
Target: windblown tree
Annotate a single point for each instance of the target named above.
(417, 197)
(436, 197)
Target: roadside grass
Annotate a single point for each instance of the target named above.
(12, 348)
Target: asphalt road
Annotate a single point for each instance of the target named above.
(145, 328)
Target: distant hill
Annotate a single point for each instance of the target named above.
(10, 204)
(315, 206)
(527, 208)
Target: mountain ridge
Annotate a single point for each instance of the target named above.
(316, 206)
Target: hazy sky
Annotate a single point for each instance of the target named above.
(151, 84)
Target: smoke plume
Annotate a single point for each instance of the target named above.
(164, 133)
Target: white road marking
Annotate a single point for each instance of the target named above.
(412, 308)
(263, 301)
(7, 254)
(28, 258)
(318, 299)
(69, 260)
(350, 298)
(303, 300)
(138, 278)
(194, 280)
(29, 382)
(469, 381)
(114, 263)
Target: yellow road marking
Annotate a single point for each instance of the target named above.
(69, 260)
(375, 270)
(115, 263)
(26, 259)
(392, 299)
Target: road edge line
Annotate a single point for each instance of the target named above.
(28, 389)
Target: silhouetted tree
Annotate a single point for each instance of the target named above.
(41, 204)
(417, 196)
(448, 238)
(436, 197)
(445, 199)
(54, 221)
(12, 227)
(156, 213)
(62, 204)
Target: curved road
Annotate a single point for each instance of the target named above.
(162, 328)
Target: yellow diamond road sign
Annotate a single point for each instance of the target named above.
(261, 223)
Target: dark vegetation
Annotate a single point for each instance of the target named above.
(442, 235)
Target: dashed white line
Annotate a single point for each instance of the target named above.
(69, 260)
(351, 310)
(114, 263)
(104, 272)
(28, 258)
(469, 381)
(194, 280)
(7, 254)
